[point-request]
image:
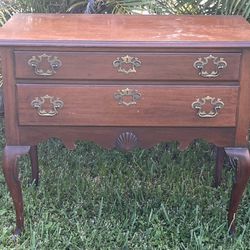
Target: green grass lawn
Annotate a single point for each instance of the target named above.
(92, 198)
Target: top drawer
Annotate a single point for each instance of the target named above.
(126, 66)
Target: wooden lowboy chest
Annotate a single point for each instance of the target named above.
(125, 82)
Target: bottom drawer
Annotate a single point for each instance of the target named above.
(117, 105)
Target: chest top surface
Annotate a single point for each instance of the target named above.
(84, 30)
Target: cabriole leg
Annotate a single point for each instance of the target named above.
(34, 164)
(241, 155)
(220, 155)
(10, 170)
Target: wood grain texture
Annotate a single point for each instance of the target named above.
(107, 136)
(241, 138)
(121, 30)
(96, 105)
(154, 66)
(9, 90)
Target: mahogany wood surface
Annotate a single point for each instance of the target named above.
(96, 105)
(220, 155)
(241, 155)
(125, 30)
(10, 170)
(154, 66)
(10, 119)
(61, 80)
(106, 136)
(34, 163)
(241, 136)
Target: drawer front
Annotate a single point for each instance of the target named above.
(122, 66)
(130, 105)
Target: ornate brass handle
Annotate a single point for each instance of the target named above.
(53, 104)
(52, 64)
(219, 63)
(216, 105)
(127, 64)
(127, 96)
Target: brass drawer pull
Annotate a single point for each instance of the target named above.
(127, 64)
(216, 105)
(123, 96)
(53, 104)
(219, 64)
(52, 63)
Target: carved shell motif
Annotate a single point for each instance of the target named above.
(127, 141)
